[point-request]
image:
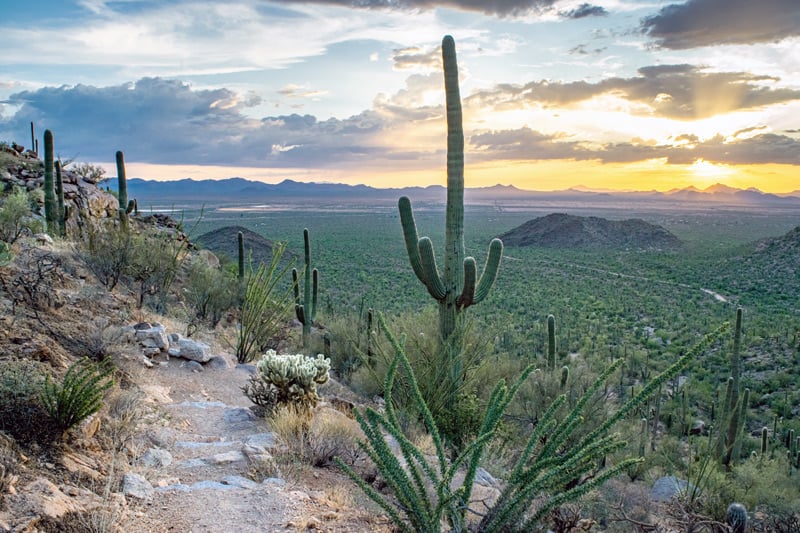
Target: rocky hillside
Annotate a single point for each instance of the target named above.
(560, 230)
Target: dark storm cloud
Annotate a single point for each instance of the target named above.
(682, 92)
(585, 10)
(526, 144)
(490, 7)
(712, 22)
(167, 122)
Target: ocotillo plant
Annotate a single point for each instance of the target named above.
(306, 310)
(455, 288)
(50, 208)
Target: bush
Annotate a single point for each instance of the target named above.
(282, 380)
(316, 438)
(16, 217)
(209, 292)
(107, 254)
(22, 414)
(156, 257)
(79, 394)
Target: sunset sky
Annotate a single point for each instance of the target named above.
(618, 94)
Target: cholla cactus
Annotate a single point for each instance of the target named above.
(287, 379)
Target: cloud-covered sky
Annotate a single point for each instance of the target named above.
(636, 94)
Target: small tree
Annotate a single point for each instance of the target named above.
(15, 216)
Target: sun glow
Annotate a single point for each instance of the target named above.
(707, 173)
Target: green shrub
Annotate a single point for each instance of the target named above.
(79, 394)
(107, 253)
(209, 292)
(22, 414)
(16, 217)
(156, 257)
(287, 380)
(548, 473)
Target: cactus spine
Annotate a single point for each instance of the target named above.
(50, 213)
(62, 210)
(306, 310)
(240, 237)
(455, 288)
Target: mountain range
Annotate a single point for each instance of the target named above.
(240, 190)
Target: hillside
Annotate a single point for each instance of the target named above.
(560, 230)
(224, 242)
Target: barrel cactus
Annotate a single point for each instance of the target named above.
(736, 517)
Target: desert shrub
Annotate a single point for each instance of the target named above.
(265, 307)
(317, 437)
(79, 394)
(107, 253)
(209, 292)
(33, 281)
(156, 257)
(447, 373)
(102, 339)
(16, 217)
(287, 380)
(22, 414)
(89, 172)
(549, 472)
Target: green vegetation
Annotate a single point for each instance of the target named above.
(80, 393)
(50, 207)
(16, 217)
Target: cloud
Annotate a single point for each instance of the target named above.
(526, 144)
(164, 121)
(489, 7)
(415, 57)
(697, 23)
(682, 92)
(300, 91)
(585, 10)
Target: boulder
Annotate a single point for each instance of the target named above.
(153, 337)
(195, 350)
(136, 486)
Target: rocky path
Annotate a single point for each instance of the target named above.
(192, 475)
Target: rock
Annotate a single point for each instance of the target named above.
(195, 350)
(247, 368)
(41, 498)
(156, 457)
(220, 362)
(86, 466)
(233, 456)
(142, 325)
(699, 427)
(210, 258)
(194, 366)
(150, 351)
(147, 362)
(239, 481)
(666, 488)
(174, 339)
(154, 337)
(90, 426)
(278, 482)
(136, 486)
(43, 238)
(174, 352)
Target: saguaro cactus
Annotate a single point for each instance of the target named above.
(735, 406)
(240, 237)
(122, 189)
(455, 288)
(62, 210)
(551, 342)
(50, 208)
(306, 310)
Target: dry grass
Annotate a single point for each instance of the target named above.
(316, 437)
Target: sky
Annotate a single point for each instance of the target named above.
(605, 94)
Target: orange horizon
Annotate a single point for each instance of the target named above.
(545, 176)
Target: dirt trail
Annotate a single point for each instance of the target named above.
(204, 423)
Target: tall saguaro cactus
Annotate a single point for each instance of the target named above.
(122, 188)
(62, 209)
(306, 310)
(50, 208)
(454, 288)
(734, 406)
